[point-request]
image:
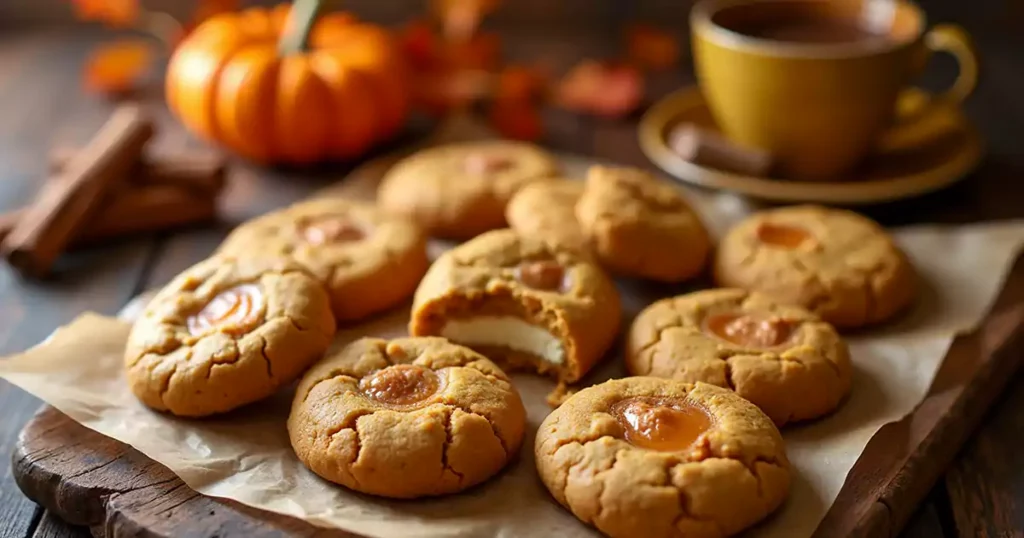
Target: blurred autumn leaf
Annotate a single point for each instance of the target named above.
(419, 43)
(601, 88)
(117, 67)
(461, 18)
(520, 83)
(517, 120)
(651, 48)
(113, 12)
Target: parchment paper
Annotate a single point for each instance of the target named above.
(245, 455)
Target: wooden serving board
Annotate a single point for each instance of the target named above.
(89, 479)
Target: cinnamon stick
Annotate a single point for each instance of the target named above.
(203, 172)
(135, 210)
(51, 221)
(148, 209)
(710, 149)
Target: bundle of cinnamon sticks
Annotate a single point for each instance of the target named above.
(107, 189)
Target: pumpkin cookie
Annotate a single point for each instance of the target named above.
(407, 418)
(652, 457)
(225, 333)
(547, 209)
(367, 260)
(782, 358)
(461, 190)
(835, 263)
(640, 226)
(520, 301)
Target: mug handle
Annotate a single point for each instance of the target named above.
(919, 117)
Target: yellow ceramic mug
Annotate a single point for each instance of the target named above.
(815, 82)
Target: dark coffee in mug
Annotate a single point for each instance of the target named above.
(810, 22)
(814, 31)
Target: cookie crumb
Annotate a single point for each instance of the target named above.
(560, 394)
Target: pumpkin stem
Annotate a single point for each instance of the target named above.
(296, 29)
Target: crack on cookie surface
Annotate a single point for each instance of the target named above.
(821, 290)
(445, 463)
(494, 428)
(728, 373)
(684, 500)
(349, 424)
(165, 386)
(294, 323)
(336, 373)
(266, 358)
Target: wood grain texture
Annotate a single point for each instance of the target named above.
(985, 487)
(91, 480)
(51, 526)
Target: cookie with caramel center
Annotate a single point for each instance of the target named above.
(458, 191)
(836, 263)
(406, 418)
(782, 358)
(641, 226)
(522, 301)
(227, 332)
(369, 261)
(653, 457)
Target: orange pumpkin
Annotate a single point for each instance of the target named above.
(228, 83)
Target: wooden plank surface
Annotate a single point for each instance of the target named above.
(39, 103)
(35, 111)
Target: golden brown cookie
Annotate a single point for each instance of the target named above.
(641, 226)
(836, 263)
(408, 418)
(547, 209)
(782, 358)
(225, 333)
(520, 301)
(656, 458)
(461, 190)
(369, 261)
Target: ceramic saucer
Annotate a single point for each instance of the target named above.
(936, 162)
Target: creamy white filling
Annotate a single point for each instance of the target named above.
(505, 331)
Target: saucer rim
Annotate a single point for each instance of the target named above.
(664, 111)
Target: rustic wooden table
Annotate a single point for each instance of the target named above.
(40, 105)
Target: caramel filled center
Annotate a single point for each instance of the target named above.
(749, 330)
(782, 235)
(544, 275)
(669, 425)
(331, 230)
(400, 385)
(232, 308)
(480, 163)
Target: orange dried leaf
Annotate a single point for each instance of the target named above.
(419, 43)
(601, 88)
(651, 48)
(517, 120)
(482, 51)
(117, 67)
(520, 83)
(461, 18)
(113, 12)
